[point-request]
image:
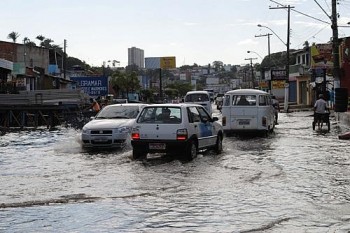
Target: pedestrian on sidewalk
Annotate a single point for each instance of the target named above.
(276, 106)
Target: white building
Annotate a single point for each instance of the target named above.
(136, 56)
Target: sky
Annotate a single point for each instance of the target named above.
(194, 31)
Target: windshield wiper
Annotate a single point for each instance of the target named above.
(120, 117)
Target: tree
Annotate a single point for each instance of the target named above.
(218, 65)
(125, 83)
(181, 88)
(41, 38)
(13, 36)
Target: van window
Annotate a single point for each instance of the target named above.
(196, 98)
(244, 100)
(263, 100)
(227, 100)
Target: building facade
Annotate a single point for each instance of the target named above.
(136, 56)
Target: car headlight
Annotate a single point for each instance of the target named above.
(85, 131)
(124, 129)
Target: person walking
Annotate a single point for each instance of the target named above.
(276, 106)
(320, 109)
(95, 106)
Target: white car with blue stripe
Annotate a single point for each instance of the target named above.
(176, 129)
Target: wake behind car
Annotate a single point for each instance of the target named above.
(177, 129)
(111, 127)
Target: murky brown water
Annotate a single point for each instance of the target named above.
(296, 180)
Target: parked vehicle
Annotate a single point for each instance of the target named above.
(111, 126)
(177, 129)
(199, 97)
(247, 110)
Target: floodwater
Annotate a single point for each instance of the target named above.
(295, 180)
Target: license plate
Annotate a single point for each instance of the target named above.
(100, 139)
(157, 146)
(244, 122)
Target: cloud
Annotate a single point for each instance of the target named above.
(247, 42)
(191, 24)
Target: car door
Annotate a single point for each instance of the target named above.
(207, 134)
(194, 121)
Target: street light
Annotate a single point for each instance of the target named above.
(256, 54)
(286, 97)
(262, 26)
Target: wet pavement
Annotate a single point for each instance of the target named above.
(294, 180)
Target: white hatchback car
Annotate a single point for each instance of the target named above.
(177, 129)
(111, 126)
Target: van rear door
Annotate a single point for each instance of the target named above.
(244, 117)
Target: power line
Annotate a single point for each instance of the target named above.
(302, 13)
(322, 9)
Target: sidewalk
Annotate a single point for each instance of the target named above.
(343, 117)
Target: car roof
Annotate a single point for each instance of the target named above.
(247, 91)
(127, 104)
(197, 92)
(174, 105)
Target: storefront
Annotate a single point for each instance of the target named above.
(6, 68)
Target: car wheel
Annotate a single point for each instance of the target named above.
(138, 154)
(190, 151)
(218, 145)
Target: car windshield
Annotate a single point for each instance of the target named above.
(196, 98)
(120, 111)
(160, 114)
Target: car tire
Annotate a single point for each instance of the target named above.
(218, 145)
(137, 154)
(190, 151)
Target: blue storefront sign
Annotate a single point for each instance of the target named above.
(93, 86)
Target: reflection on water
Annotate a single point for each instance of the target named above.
(294, 180)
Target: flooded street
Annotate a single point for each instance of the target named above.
(295, 180)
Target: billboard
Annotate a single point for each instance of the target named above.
(167, 63)
(93, 86)
(321, 56)
(160, 62)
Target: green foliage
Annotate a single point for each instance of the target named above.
(13, 36)
(72, 61)
(125, 83)
(278, 59)
(180, 87)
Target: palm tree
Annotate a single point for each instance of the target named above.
(46, 43)
(13, 36)
(41, 38)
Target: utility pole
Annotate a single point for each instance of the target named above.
(335, 45)
(268, 45)
(160, 85)
(64, 59)
(286, 93)
(252, 70)
(269, 53)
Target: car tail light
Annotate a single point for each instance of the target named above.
(135, 134)
(181, 134)
(264, 121)
(224, 121)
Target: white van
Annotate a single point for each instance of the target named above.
(246, 110)
(199, 97)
